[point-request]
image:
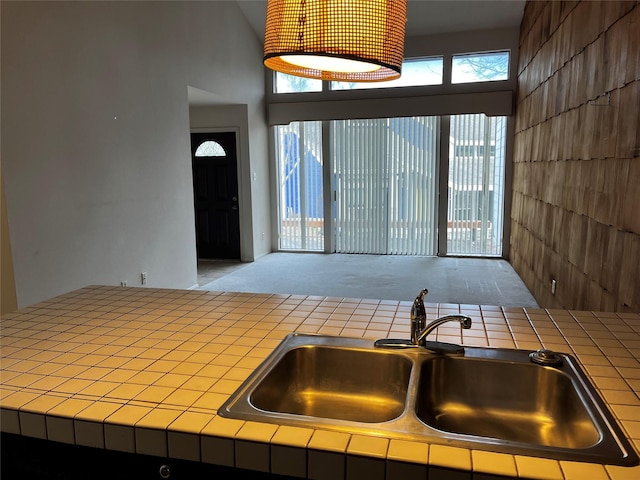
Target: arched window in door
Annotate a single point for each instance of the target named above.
(210, 149)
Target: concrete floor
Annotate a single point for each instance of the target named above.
(474, 281)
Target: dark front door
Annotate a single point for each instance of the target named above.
(215, 191)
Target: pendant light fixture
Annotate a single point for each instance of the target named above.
(340, 40)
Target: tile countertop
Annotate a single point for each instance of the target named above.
(144, 370)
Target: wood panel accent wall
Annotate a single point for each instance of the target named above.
(576, 178)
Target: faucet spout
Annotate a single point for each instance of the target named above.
(465, 322)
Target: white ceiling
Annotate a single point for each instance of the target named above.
(426, 17)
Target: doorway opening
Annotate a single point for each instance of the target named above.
(215, 193)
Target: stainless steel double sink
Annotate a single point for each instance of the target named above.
(486, 399)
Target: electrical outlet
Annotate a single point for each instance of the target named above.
(123, 283)
(553, 287)
(143, 278)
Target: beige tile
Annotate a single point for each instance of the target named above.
(70, 371)
(184, 445)
(60, 429)
(623, 473)
(450, 457)
(199, 383)
(256, 432)
(191, 422)
(33, 425)
(159, 418)
(211, 401)
(326, 465)
(224, 427)
(112, 362)
(397, 470)
(329, 440)
(225, 386)
(119, 437)
(42, 404)
(238, 373)
(126, 391)
(118, 375)
(98, 411)
(365, 467)
(493, 463)
(150, 441)
(186, 368)
(93, 373)
(72, 386)
(43, 383)
(602, 371)
(69, 407)
(406, 451)
(92, 360)
(605, 383)
(626, 412)
(145, 378)
(619, 397)
(44, 369)
(184, 398)
(368, 446)
(9, 421)
(288, 460)
(127, 415)
(582, 471)
(89, 433)
(171, 380)
(632, 428)
(252, 455)
(99, 388)
(292, 436)
(538, 468)
(217, 450)
(154, 393)
(137, 364)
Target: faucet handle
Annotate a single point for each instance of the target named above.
(418, 316)
(417, 309)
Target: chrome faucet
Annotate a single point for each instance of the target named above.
(419, 327)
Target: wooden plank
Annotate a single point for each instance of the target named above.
(631, 198)
(628, 138)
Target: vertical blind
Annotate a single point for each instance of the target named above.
(385, 185)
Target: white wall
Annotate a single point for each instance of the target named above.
(95, 135)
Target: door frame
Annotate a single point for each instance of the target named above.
(244, 204)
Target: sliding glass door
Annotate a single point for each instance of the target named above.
(300, 211)
(378, 188)
(476, 185)
(385, 185)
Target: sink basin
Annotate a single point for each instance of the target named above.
(516, 402)
(486, 399)
(337, 383)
